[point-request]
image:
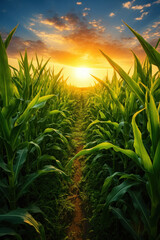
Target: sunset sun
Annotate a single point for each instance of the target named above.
(82, 76)
(82, 73)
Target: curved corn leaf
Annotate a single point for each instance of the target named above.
(4, 128)
(107, 182)
(118, 191)
(26, 112)
(140, 206)
(156, 162)
(112, 93)
(48, 130)
(139, 69)
(132, 84)
(20, 216)
(6, 88)
(9, 37)
(105, 146)
(5, 231)
(139, 146)
(19, 161)
(33, 176)
(115, 124)
(124, 221)
(152, 53)
(54, 112)
(153, 121)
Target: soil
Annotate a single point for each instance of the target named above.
(79, 225)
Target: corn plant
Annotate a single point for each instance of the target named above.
(23, 96)
(145, 90)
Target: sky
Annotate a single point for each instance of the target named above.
(71, 32)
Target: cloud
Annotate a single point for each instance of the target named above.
(71, 40)
(156, 2)
(84, 14)
(140, 7)
(86, 9)
(112, 14)
(128, 4)
(97, 24)
(155, 24)
(18, 45)
(120, 28)
(152, 32)
(142, 16)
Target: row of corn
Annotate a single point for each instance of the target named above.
(36, 117)
(122, 171)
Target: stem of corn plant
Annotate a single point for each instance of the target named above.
(11, 179)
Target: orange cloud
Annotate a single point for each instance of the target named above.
(112, 14)
(128, 4)
(79, 3)
(142, 16)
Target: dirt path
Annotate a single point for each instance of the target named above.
(77, 228)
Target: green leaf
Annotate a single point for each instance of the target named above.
(11, 109)
(49, 130)
(139, 69)
(115, 124)
(8, 39)
(54, 112)
(132, 84)
(156, 160)
(43, 100)
(5, 231)
(153, 121)
(105, 146)
(31, 177)
(118, 191)
(112, 93)
(4, 128)
(140, 205)
(153, 55)
(26, 113)
(19, 161)
(107, 183)
(6, 88)
(139, 146)
(124, 221)
(20, 216)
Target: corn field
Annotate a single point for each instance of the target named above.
(121, 155)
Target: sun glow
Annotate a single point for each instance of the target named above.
(82, 73)
(82, 76)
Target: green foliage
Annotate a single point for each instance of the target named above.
(34, 141)
(121, 176)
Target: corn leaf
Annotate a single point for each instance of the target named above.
(153, 121)
(26, 113)
(19, 161)
(8, 39)
(20, 216)
(4, 231)
(33, 176)
(140, 206)
(152, 53)
(6, 88)
(118, 191)
(132, 84)
(105, 146)
(139, 146)
(124, 221)
(112, 93)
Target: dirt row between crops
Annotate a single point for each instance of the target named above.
(78, 227)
